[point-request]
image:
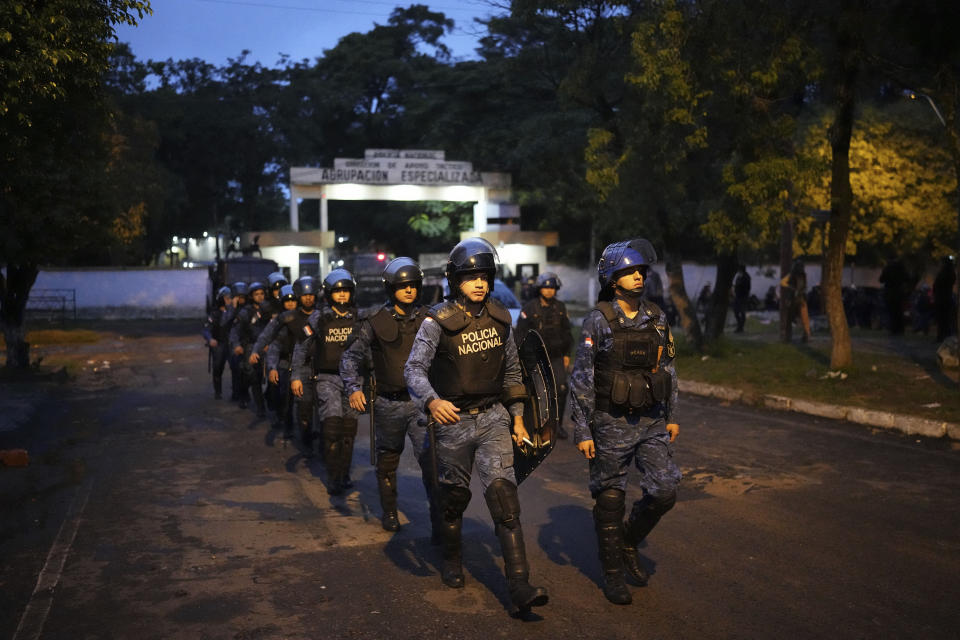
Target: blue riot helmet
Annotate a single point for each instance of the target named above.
(402, 271)
(305, 286)
(239, 288)
(339, 279)
(620, 256)
(470, 256)
(276, 280)
(223, 292)
(287, 293)
(254, 286)
(548, 280)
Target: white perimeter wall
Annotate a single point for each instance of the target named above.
(132, 293)
(695, 276)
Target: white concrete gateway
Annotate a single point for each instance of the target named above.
(412, 175)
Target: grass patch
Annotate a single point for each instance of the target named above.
(47, 337)
(899, 380)
(877, 380)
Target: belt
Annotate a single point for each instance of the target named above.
(397, 396)
(474, 411)
(604, 404)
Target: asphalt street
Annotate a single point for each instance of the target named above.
(152, 511)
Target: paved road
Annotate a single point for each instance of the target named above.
(151, 511)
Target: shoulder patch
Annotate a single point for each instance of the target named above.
(307, 331)
(587, 340)
(671, 347)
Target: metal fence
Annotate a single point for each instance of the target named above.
(53, 303)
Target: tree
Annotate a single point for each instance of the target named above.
(52, 124)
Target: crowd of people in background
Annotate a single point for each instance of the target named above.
(903, 302)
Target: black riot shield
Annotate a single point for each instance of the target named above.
(541, 413)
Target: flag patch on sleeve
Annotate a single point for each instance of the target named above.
(587, 340)
(307, 330)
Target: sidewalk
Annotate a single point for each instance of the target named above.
(765, 330)
(910, 425)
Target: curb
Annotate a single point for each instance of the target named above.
(910, 425)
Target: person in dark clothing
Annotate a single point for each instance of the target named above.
(548, 317)
(741, 297)
(217, 337)
(248, 324)
(895, 280)
(944, 306)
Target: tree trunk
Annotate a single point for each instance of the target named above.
(786, 296)
(841, 207)
(678, 294)
(14, 291)
(720, 300)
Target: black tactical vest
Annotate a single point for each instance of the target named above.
(218, 331)
(628, 376)
(253, 320)
(470, 361)
(548, 322)
(391, 348)
(333, 331)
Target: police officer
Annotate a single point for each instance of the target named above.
(623, 397)
(318, 358)
(248, 324)
(548, 316)
(226, 321)
(461, 365)
(278, 345)
(385, 336)
(217, 337)
(282, 334)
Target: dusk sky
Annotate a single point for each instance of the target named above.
(215, 30)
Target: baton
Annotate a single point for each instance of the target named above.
(209, 359)
(373, 428)
(435, 471)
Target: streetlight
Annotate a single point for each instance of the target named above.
(913, 95)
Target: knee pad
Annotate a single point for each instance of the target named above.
(454, 501)
(610, 506)
(503, 502)
(655, 503)
(388, 461)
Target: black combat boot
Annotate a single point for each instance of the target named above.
(607, 517)
(452, 572)
(515, 567)
(504, 508)
(332, 456)
(644, 516)
(387, 463)
(348, 435)
(453, 501)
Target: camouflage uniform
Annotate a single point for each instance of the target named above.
(396, 414)
(328, 334)
(622, 435)
(247, 326)
(214, 329)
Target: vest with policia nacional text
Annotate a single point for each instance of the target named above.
(333, 331)
(391, 347)
(628, 377)
(470, 361)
